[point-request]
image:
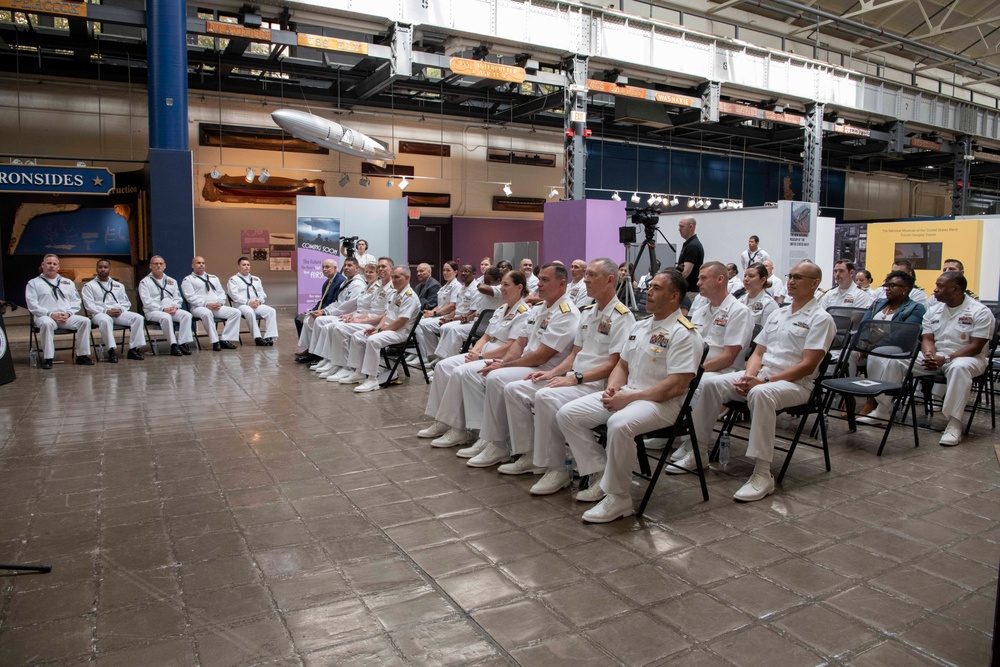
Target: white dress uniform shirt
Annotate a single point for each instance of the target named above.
(44, 297)
(101, 297)
(532, 280)
(653, 350)
(777, 288)
(370, 305)
(786, 336)
(159, 294)
(365, 259)
(747, 258)
(429, 329)
(445, 401)
(201, 290)
(577, 293)
(734, 284)
(365, 350)
(244, 289)
(453, 334)
(852, 297)
(761, 306)
(554, 327)
(532, 408)
(315, 334)
(729, 324)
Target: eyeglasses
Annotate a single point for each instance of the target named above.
(799, 276)
(899, 285)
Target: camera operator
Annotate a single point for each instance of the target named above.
(359, 248)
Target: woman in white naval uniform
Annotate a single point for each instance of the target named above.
(760, 303)
(445, 402)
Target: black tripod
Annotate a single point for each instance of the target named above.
(648, 244)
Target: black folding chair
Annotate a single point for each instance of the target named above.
(683, 425)
(34, 345)
(395, 355)
(985, 382)
(894, 341)
(478, 329)
(114, 327)
(153, 342)
(812, 406)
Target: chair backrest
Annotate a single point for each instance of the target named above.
(753, 342)
(478, 329)
(889, 339)
(693, 387)
(856, 314)
(844, 329)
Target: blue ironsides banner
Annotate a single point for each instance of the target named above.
(56, 180)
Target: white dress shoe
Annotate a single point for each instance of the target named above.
(875, 417)
(681, 451)
(471, 451)
(654, 444)
(952, 435)
(611, 508)
(592, 493)
(685, 465)
(366, 386)
(435, 430)
(521, 466)
(453, 437)
(554, 480)
(489, 457)
(757, 487)
(355, 377)
(323, 366)
(340, 375)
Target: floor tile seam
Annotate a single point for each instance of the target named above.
(919, 650)
(955, 603)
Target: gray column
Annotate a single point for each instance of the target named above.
(812, 155)
(575, 104)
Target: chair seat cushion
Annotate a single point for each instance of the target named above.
(849, 385)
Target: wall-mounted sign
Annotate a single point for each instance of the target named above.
(787, 118)
(56, 180)
(47, 7)
(986, 157)
(853, 130)
(924, 143)
(236, 30)
(738, 109)
(670, 98)
(615, 89)
(332, 44)
(485, 70)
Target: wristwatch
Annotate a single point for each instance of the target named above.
(766, 379)
(579, 377)
(947, 358)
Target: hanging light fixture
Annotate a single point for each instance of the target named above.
(616, 196)
(216, 173)
(675, 201)
(264, 175)
(403, 183)
(553, 193)
(634, 198)
(344, 180)
(389, 183)
(251, 174)
(364, 182)
(506, 189)
(691, 202)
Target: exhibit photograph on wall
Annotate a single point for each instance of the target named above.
(801, 218)
(322, 234)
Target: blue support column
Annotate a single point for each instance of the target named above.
(170, 188)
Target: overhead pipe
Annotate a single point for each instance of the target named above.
(948, 55)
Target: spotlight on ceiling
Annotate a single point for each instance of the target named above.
(651, 200)
(506, 189)
(216, 173)
(691, 202)
(658, 201)
(81, 163)
(344, 180)
(675, 201)
(364, 182)
(16, 161)
(634, 198)
(251, 174)
(553, 193)
(616, 196)
(264, 175)
(390, 183)
(403, 183)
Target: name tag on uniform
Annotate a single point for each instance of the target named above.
(848, 299)
(632, 337)
(604, 327)
(721, 320)
(544, 325)
(965, 320)
(803, 325)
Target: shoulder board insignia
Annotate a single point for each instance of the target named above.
(564, 307)
(686, 322)
(588, 307)
(622, 310)
(409, 292)
(522, 308)
(823, 291)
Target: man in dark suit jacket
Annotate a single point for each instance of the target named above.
(427, 287)
(328, 294)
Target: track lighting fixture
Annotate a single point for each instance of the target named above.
(403, 183)
(216, 173)
(364, 181)
(344, 180)
(691, 202)
(634, 198)
(390, 183)
(506, 189)
(553, 193)
(675, 201)
(264, 175)
(616, 196)
(251, 174)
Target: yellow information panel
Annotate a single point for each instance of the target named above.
(926, 245)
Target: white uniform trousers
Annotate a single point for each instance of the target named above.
(268, 314)
(306, 334)
(47, 327)
(136, 336)
(365, 350)
(764, 401)
(447, 400)
(494, 427)
(166, 323)
(539, 431)
(577, 418)
(322, 334)
(958, 372)
(341, 337)
(453, 335)
(230, 332)
(427, 335)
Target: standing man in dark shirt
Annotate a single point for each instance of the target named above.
(427, 287)
(692, 255)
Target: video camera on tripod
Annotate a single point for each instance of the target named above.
(348, 245)
(648, 217)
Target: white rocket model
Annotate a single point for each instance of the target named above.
(329, 134)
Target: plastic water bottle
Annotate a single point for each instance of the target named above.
(33, 357)
(569, 462)
(724, 450)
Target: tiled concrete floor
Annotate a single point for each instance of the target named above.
(232, 509)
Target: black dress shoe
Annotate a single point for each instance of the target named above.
(175, 350)
(306, 358)
(84, 361)
(216, 347)
(185, 350)
(112, 356)
(46, 364)
(269, 341)
(259, 342)
(135, 354)
(226, 345)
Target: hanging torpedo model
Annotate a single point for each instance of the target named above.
(328, 134)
